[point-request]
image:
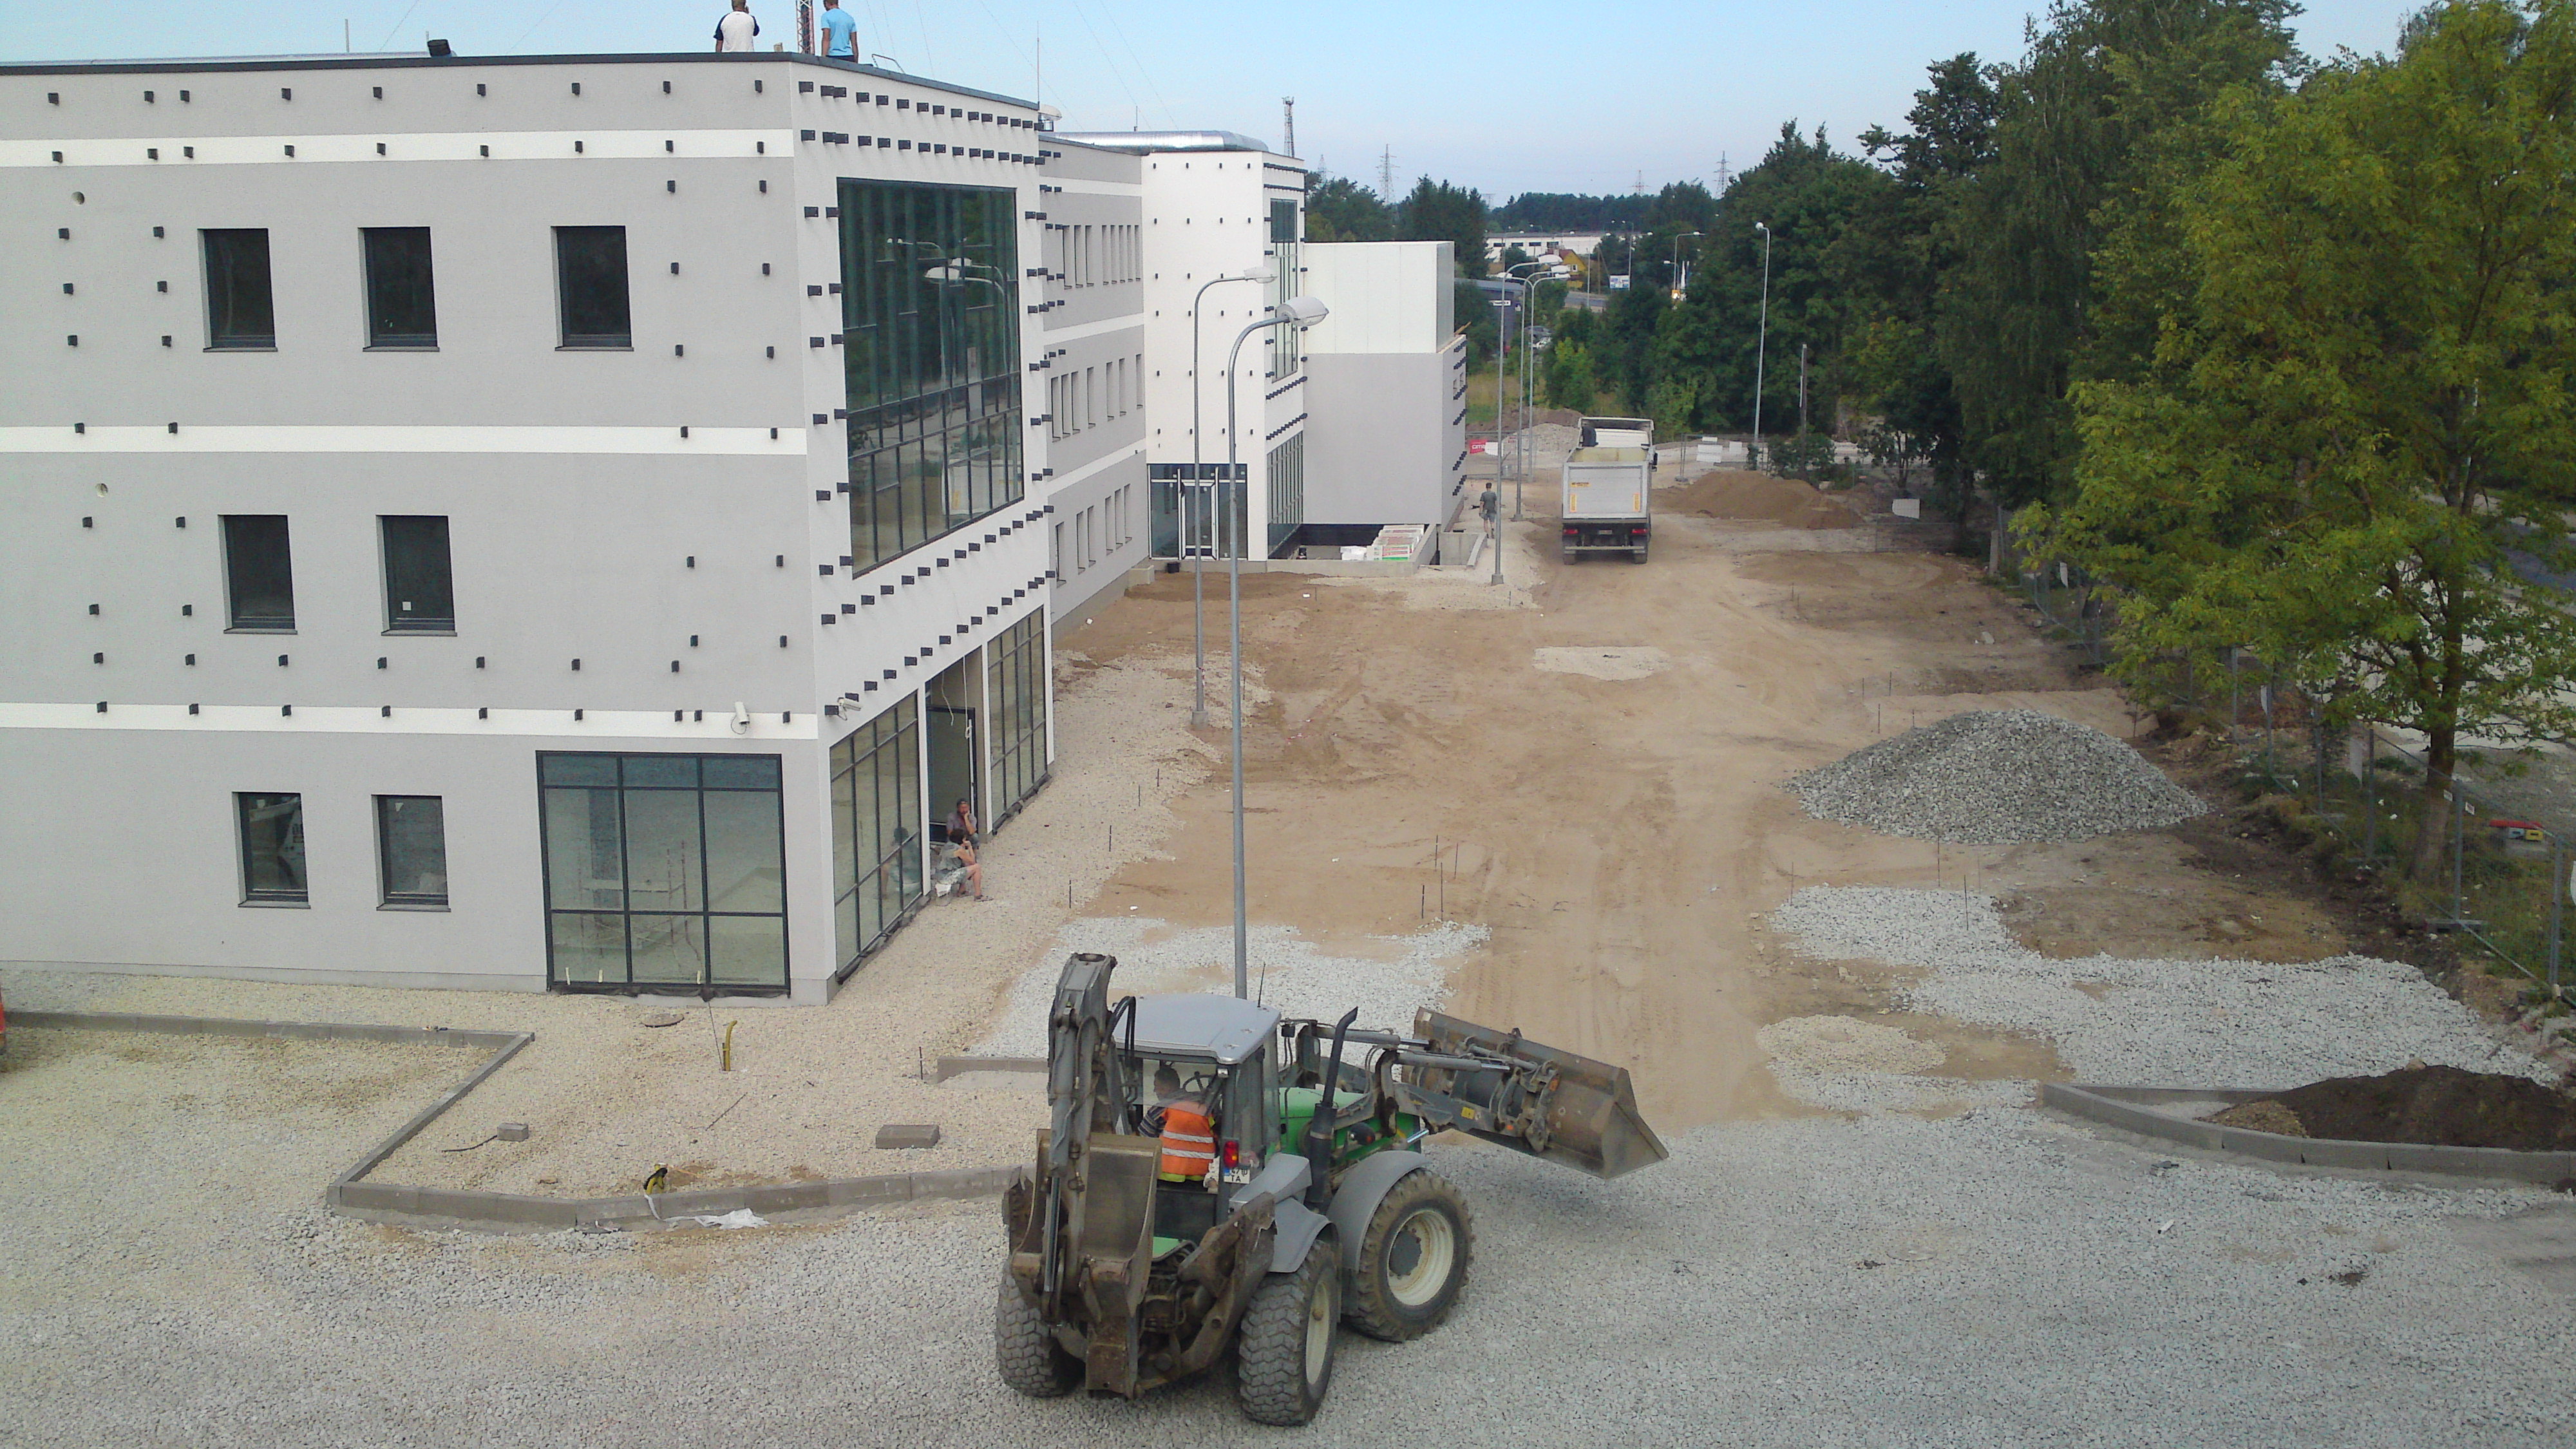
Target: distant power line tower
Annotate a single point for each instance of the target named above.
(1288, 126)
(1725, 178)
(1386, 174)
(1640, 188)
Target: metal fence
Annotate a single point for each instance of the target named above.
(2503, 879)
(2075, 610)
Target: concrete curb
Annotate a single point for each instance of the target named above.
(2134, 1109)
(502, 1212)
(954, 1066)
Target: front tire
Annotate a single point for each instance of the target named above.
(1413, 1259)
(1031, 1361)
(1284, 1355)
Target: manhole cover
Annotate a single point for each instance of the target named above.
(663, 1018)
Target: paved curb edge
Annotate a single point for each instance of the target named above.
(2132, 1109)
(501, 1212)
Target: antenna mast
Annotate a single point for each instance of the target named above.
(1386, 174)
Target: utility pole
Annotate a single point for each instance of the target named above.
(1288, 126)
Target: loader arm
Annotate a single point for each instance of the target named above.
(1536, 1099)
(1084, 1095)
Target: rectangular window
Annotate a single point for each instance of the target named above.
(1286, 477)
(1287, 348)
(401, 310)
(240, 309)
(1016, 695)
(259, 578)
(930, 307)
(663, 872)
(272, 847)
(420, 592)
(411, 849)
(590, 286)
(877, 831)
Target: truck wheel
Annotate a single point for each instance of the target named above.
(1030, 1359)
(1413, 1259)
(1284, 1357)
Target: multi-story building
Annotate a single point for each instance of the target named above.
(574, 523)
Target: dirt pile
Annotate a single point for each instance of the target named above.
(1996, 777)
(2439, 1106)
(1732, 493)
(2264, 1116)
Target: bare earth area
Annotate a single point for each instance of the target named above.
(1553, 804)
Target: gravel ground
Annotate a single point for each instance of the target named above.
(2151, 1023)
(1996, 777)
(1993, 1278)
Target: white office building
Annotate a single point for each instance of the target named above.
(571, 524)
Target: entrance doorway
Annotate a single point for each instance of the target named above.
(955, 753)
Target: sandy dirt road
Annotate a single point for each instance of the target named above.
(1620, 835)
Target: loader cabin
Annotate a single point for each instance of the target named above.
(1214, 1058)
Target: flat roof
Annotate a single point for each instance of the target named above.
(1202, 1024)
(407, 60)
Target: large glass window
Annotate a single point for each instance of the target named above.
(411, 849)
(272, 847)
(930, 313)
(240, 309)
(420, 591)
(590, 286)
(877, 830)
(664, 872)
(1286, 352)
(259, 578)
(401, 310)
(1016, 694)
(1287, 486)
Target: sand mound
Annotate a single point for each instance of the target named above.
(1996, 777)
(1732, 493)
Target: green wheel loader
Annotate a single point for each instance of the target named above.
(1216, 1176)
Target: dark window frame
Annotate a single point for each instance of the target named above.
(619, 340)
(252, 892)
(230, 304)
(398, 619)
(381, 277)
(388, 898)
(235, 620)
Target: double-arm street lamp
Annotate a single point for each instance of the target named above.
(1198, 573)
(1529, 368)
(1300, 312)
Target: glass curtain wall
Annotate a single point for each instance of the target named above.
(1016, 696)
(876, 830)
(1287, 352)
(664, 871)
(930, 309)
(1287, 487)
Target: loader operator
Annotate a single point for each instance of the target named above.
(1181, 1120)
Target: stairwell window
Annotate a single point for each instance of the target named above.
(241, 310)
(590, 287)
(402, 310)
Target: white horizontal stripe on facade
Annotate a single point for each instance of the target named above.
(1100, 188)
(605, 725)
(409, 146)
(1077, 331)
(327, 438)
(1058, 485)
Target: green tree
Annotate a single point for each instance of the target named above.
(1339, 209)
(1438, 211)
(2357, 420)
(1571, 381)
(2072, 124)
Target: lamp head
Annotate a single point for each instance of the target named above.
(1264, 278)
(1304, 311)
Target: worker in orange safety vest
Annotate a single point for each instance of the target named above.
(1189, 1137)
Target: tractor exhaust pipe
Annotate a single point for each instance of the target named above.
(1318, 1146)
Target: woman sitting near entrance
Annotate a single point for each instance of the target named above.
(964, 851)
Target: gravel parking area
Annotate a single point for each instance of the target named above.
(1993, 1278)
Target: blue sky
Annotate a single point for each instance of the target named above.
(1505, 96)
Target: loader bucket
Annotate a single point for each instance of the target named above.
(1553, 1104)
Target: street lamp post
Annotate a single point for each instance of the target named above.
(1198, 573)
(1296, 312)
(1677, 260)
(1529, 366)
(1762, 341)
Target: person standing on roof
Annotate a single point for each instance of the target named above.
(839, 32)
(737, 30)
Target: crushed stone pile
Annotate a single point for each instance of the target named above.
(1996, 777)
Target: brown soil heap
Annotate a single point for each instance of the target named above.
(1731, 493)
(2264, 1116)
(2439, 1106)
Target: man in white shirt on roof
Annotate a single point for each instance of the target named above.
(736, 30)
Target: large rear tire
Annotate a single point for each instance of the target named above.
(1030, 1359)
(1413, 1259)
(1284, 1354)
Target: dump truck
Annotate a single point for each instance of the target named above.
(1215, 1176)
(1610, 489)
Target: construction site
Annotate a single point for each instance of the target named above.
(1953, 1024)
